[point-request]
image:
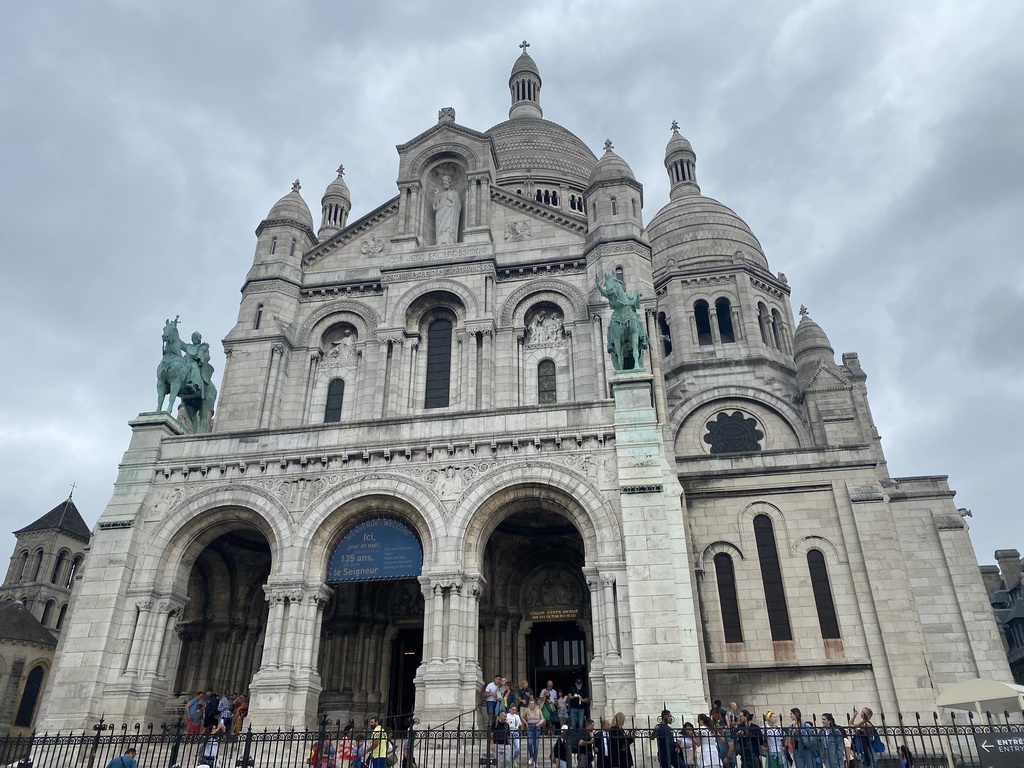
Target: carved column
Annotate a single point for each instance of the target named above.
(314, 620)
(139, 637)
(270, 393)
(415, 225)
(608, 589)
(170, 611)
(597, 612)
(602, 358)
(433, 617)
(314, 362)
(454, 643)
(291, 628)
(488, 370)
(275, 625)
(654, 351)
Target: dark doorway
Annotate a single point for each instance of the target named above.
(406, 655)
(556, 651)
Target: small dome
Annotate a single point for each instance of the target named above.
(610, 167)
(697, 230)
(524, 63)
(338, 188)
(678, 143)
(292, 207)
(810, 340)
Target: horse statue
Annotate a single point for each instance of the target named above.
(627, 336)
(185, 372)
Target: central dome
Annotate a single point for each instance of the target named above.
(533, 145)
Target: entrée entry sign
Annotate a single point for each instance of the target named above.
(377, 549)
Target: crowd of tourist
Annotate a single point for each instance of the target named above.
(721, 738)
(207, 713)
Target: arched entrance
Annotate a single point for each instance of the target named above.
(372, 631)
(223, 624)
(535, 610)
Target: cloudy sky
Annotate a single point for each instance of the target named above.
(875, 148)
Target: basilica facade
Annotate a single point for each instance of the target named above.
(424, 470)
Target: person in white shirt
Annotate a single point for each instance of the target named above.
(491, 698)
(515, 727)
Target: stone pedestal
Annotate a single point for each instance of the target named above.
(662, 609)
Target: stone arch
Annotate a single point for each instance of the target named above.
(681, 413)
(358, 498)
(449, 151)
(477, 510)
(307, 332)
(714, 548)
(745, 522)
(572, 302)
(805, 544)
(401, 309)
(193, 523)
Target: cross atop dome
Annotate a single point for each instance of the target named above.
(341, 170)
(803, 311)
(608, 145)
(296, 186)
(675, 126)
(524, 45)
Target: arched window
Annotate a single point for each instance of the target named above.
(777, 328)
(702, 316)
(615, 207)
(75, 565)
(58, 566)
(29, 698)
(771, 578)
(546, 384)
(827, 619)
(23, 567)
(38, 566)
(763, 321)
(620, 274)
(539, 196)
(60, 616)
(723, 310)
(273, 244)
(554, 198)
(291, 252)
(439, 364)
(259, 317)
(725, 573)
(335, 396)
(636, 213)
(666, 333)
(47, 613)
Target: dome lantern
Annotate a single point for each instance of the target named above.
(336, 204)
(524, 85)
(681, 164)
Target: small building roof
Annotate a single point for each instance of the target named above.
(65, 517)
(18, 623)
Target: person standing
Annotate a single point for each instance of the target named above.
(534, 718)
(226, 708)
(525, 695)
(378, 749)
(664, 738)
(602, 744)
(748, 739)
(585, 745)
(711, 743)
(864, 737)
(515, 731)
(775, 738)
(501, 741)
(491, 693)
(578, 699)
(621, 743)
(831, 743)
(560, 750)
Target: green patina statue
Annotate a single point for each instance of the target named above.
(185, 372)
(627, 337)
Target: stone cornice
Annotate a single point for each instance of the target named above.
(287, 223)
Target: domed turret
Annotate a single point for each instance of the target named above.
(291, 208)
(810, 347)
(524, 85)
(681, 164)
(614, 197)
(335, 204)
(610, 167)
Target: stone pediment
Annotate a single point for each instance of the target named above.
(359, 230)
(475, 149)
(827, 378)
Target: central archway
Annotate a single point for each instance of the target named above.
(535, 614)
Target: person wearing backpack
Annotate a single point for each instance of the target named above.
(803, 741)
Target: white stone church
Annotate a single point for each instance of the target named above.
(425, 471)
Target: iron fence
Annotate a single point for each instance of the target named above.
(956, 742)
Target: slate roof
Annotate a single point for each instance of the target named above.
(18, 623)
(65, 517)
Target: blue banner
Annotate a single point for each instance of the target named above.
(377, 549)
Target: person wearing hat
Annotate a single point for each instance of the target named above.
(577, 704)
(560, 751)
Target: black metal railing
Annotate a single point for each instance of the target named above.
(953, 742)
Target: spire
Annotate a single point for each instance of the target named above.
(524, 85)
(335, 206)
(681, 164)
(65, 517)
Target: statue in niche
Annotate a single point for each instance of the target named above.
(537, 331)
(554, 329)
(344, 350)
(447, 208)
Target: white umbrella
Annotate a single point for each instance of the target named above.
(983, 696)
